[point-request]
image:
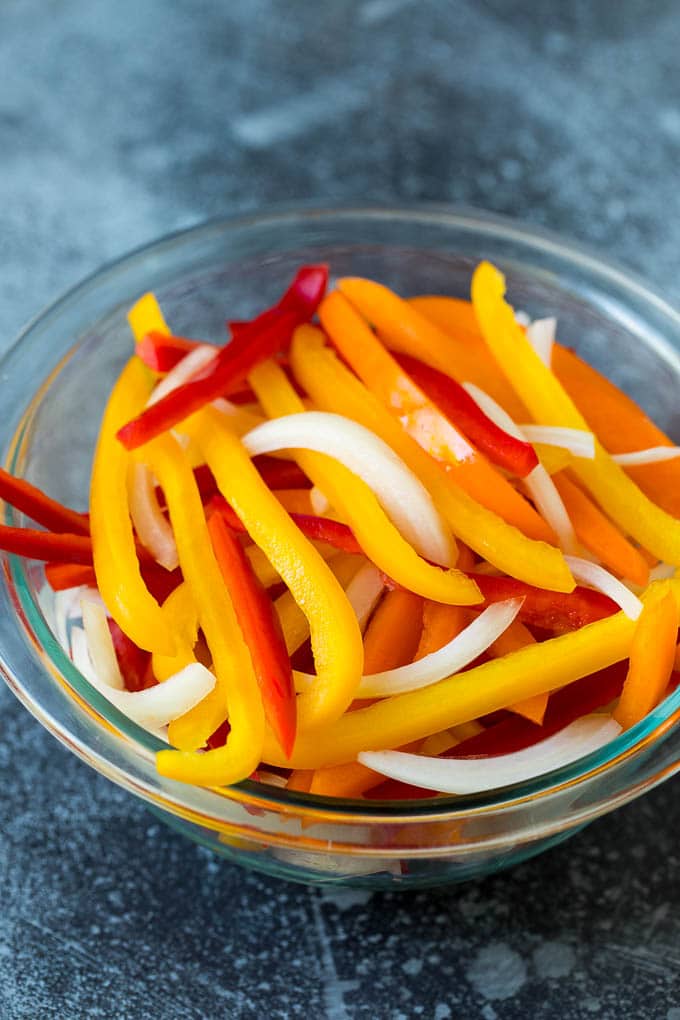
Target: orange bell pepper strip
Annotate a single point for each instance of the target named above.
(511, 640)
(334, 630)
(393, 632)
(116, 565)
(236, 684)
(333, 388)
(377, 536)
(652, 656)
(620, 425)
(348, 781)
(392, 722)
(441, 624)
(549, 404)
(450, 314)
(406, 330)
(597, 533)
(422, 419)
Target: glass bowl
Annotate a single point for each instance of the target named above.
(56, 379)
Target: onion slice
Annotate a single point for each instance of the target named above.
(363, 592)
(476, 775)
(403, 497)
(100, 645)
(597, 577)
(541, 336)
(189, 366)
(653, 455)
(578, 442)
(152, 527)
(446, 661)
(155, 707)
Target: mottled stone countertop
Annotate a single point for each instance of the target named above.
(120, 122)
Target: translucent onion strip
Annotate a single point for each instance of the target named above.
(541, 336)
(155, 707)
(477, 775)
(100, 645)
(577, 441)
(600, 579)
(363, 592)
(653, 455)
(189, 366)
(152, 527)
(540, 485)
(403, 497)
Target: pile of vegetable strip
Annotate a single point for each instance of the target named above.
(370, 547)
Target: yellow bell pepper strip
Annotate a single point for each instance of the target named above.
(549, 404)
(116, 565)
(597, 533)
(294, 623)
(652, 656)
(334, 630)
(180, 611)
(422, 419)
(406, 330)
(236, 682)
(334, 388)
(380, 540)
(533, 670)
(146, 316)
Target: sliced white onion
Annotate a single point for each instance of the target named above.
(653, 455)
(539, 483)
(403, 497)
(579, 442)
(151, 525)
(476, 775)
(522, 318)
(155, 707)
(100, 645)
(364, 591)
(551, 507)
(189, 366)
(600, 579)
(446, 661)
(541, 336)
(319, 500)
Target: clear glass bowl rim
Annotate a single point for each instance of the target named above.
(653, 729)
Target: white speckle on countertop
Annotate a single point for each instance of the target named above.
(497, 972)
(554, 960)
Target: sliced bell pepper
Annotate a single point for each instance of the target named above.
(597, 533)
(652, 657)
(61, 576)
(263, 337)
(116, 564)
(391, 722)
(393, 632)
(334, 388)
(511, 640)
(451, 314)
(133, 662)
(335, 634)
(41, 508)
(262, 632)
(559, 612)
(351, 497)
(514, 455)
(45, 545)
(441, 624)
(406, 330)
(422, 419)
(549, 404)
(236, 683)
(160, 351)
(180, 611)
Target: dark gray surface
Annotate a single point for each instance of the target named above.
(119, 122)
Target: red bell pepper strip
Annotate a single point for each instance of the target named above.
(161, 351)
(555, 611)
(319, 529)
(61, 576)
(44, 545)
(261, 630)
(231, 364)
(514, 455)
(41, 508)
(132, 660)
(281, 474)
(515, 733)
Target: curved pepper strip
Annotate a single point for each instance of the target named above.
(180, 611)
(532, 670)
(335, 634)
(116, 565)
(352, 498)
(549, 404)
(235, 679)
(333, 388)
(423, 420)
